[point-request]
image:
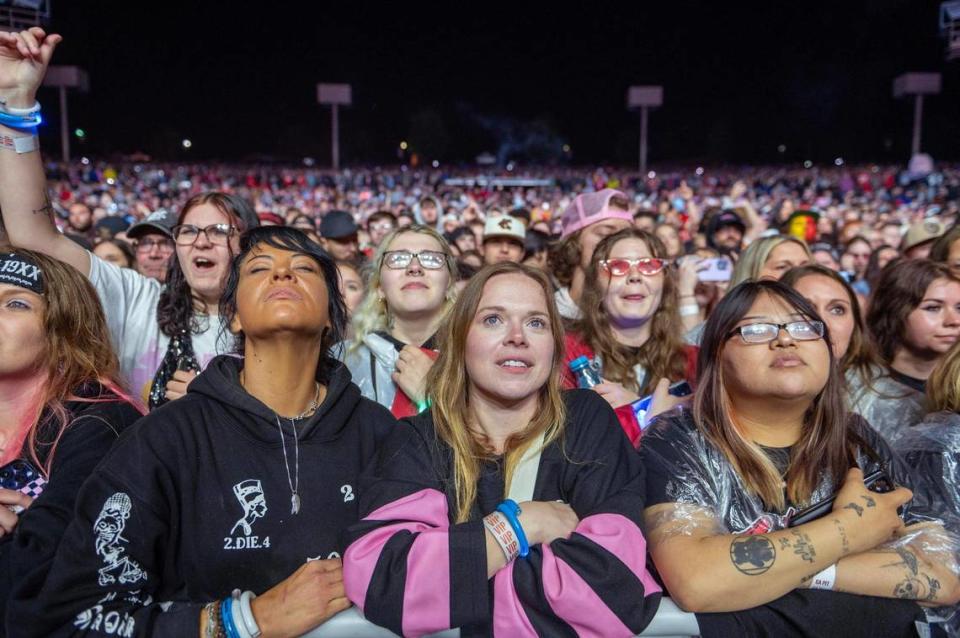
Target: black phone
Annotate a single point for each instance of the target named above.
(876, 481)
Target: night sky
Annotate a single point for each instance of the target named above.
(739, 79)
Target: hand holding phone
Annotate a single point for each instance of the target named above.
(717, 269)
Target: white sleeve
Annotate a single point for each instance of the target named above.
(129, 299)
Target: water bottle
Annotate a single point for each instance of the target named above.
(583, 370)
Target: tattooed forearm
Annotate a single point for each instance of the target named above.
(907, 559)
(803, 547)
(752, 555)
(920, 587)
(856, 508)
(845, 543)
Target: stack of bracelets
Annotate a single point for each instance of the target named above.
(504, 525)
(232, 617)
(26, 120)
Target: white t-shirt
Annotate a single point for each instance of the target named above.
(130, 303)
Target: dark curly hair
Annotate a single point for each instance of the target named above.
(176, 313)
(293, 240)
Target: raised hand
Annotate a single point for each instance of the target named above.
(24, 58)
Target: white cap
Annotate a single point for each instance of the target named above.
(505, 226)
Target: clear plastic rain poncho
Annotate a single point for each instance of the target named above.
(709, 495)
(890, 407)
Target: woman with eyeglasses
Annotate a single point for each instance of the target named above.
(631, 328)
(739, 516)
(164, 334)
(412, 285)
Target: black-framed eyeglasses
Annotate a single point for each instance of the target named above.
(767, 332)
(218, 234)
(400, 259)
(147, 245)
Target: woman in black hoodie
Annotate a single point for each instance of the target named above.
(242, 485)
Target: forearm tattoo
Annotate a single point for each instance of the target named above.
(844, 542)
(752, 555)
(801, 544)
(920, 587)
(917, 584)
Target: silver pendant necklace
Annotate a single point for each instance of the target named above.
(294, 482)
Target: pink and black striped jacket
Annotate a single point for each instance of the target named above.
(414, 571)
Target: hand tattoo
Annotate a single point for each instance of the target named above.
(870, 501)
(752, 555)
(856, 508)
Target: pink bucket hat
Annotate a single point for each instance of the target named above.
(590, 208)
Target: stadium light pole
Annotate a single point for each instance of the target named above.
(917, 85)
(63, 78)
(644, 98)
(335, 95)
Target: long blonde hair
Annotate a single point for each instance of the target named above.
(372, 314)
(753, 259)
(448, 389)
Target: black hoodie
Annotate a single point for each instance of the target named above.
(194, 501)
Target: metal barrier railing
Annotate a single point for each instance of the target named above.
(669, 621)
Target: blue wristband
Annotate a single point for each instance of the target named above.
(511, 511)
(21, 121)
(226, 618)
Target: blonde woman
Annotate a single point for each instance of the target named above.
(412, 285)
(770, 258)
(444, 542)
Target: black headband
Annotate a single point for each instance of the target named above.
(20, 270)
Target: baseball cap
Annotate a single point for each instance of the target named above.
(336, 224)
(921, 233)
(160, 221)
(590, 208)
(726, 218)
(506, 226)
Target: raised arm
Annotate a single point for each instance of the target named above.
(24, 202)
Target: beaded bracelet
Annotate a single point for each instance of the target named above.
(511, 511)
(213, 629)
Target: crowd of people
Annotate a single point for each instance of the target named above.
(238, 400)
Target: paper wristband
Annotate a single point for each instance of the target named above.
(825, 579)
(503, 533)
